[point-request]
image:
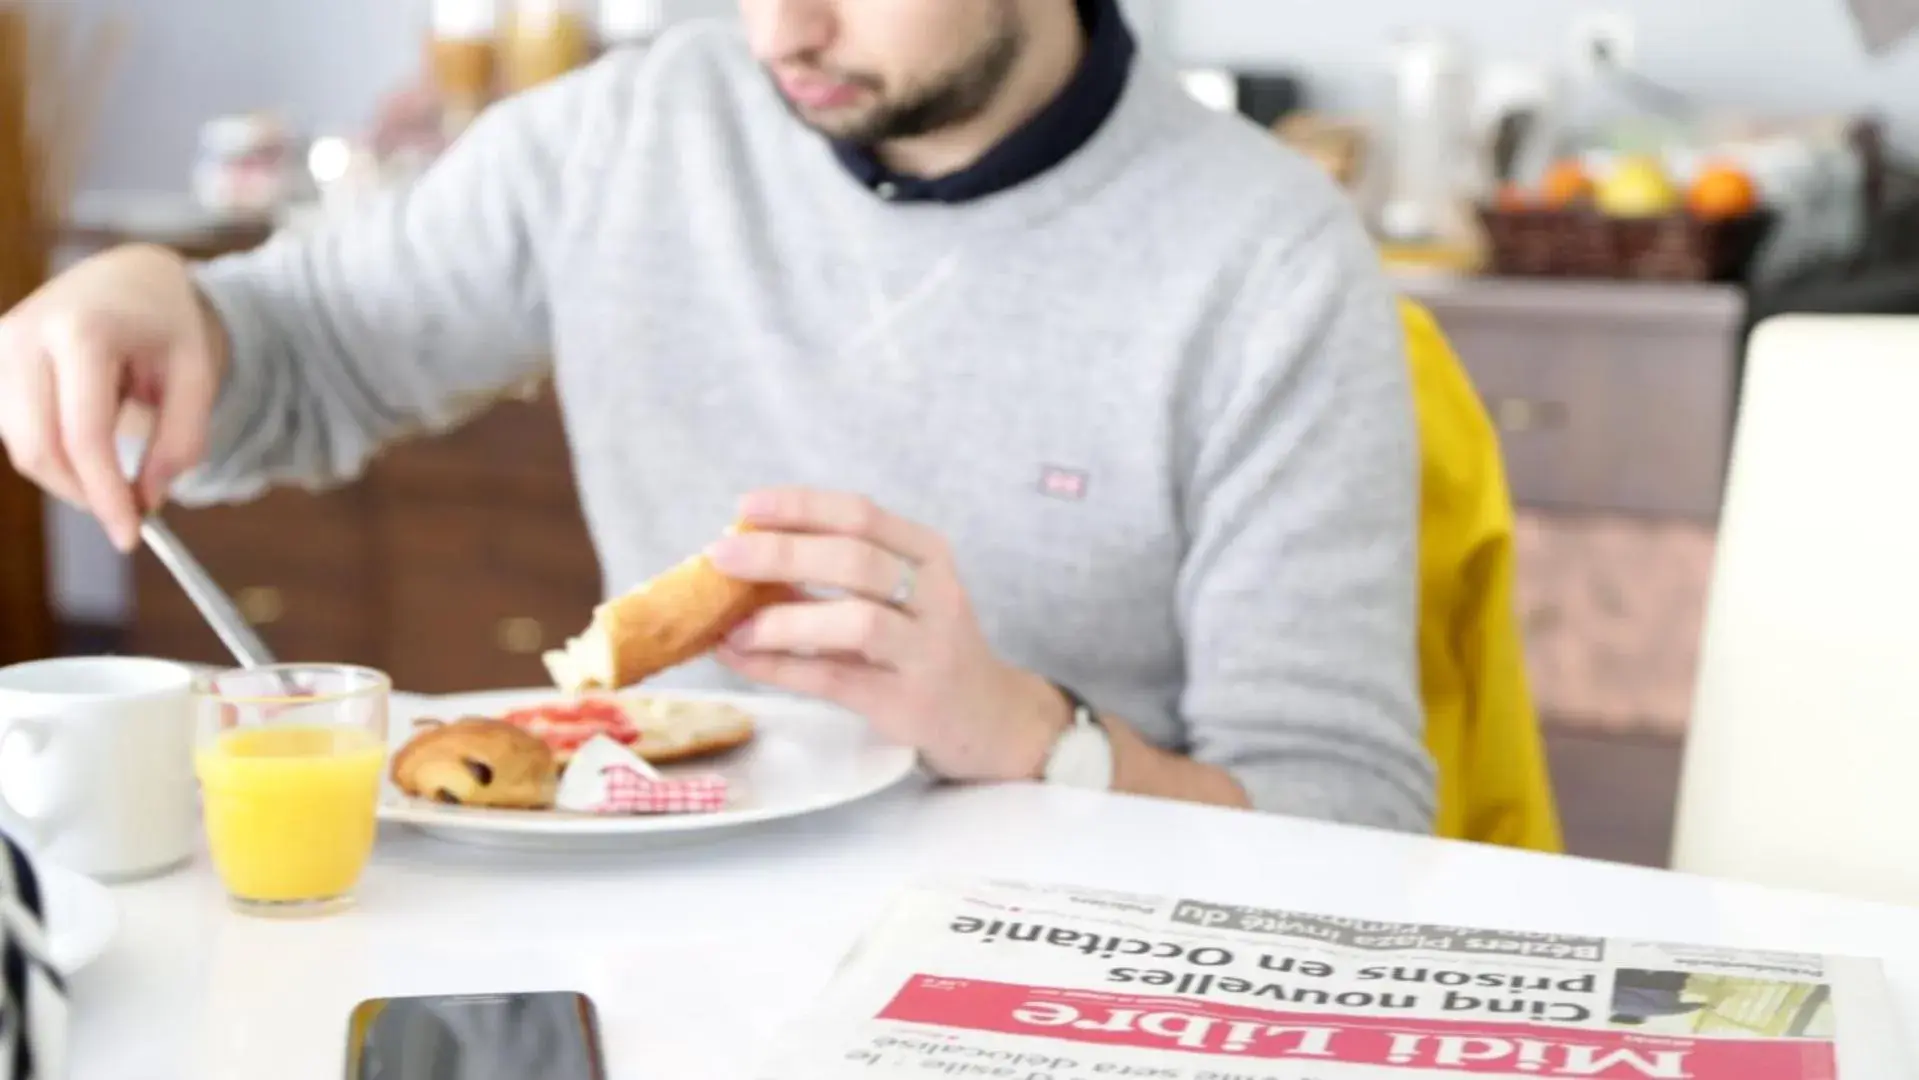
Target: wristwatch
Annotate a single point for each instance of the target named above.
(1082, 757)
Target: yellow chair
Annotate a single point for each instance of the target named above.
(1480, 726)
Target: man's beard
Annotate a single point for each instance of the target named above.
(952, 98)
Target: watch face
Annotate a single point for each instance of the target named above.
(1083, 758)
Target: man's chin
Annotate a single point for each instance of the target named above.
(839, 125)
(831, 123)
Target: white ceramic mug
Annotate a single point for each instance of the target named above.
(96, 764)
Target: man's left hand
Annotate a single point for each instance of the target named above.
(895, 641)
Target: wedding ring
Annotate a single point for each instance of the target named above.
(902, 594)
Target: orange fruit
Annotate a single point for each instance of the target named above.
(1565, 184)
(1722, 191)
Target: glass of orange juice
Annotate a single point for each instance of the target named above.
(289, 759)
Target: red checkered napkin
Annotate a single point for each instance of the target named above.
(607, 777)
(629, 792)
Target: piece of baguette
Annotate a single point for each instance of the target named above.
(681, 729)
(678, 616)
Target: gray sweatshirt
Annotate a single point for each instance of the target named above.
(1155, 399)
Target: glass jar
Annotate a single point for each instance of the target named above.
(543, 40)
(1429, 142)
(464, 56)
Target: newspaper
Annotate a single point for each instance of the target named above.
(1053, 983)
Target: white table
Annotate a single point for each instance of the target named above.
(695, 955)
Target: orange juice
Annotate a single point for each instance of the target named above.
(291, 811)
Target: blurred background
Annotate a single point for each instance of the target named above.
(325, 65)
(1596, 200)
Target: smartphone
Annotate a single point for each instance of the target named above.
(553, 1035)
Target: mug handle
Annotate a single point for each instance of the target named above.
(36, 830)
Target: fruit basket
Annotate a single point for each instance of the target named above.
(1630, 220)
(1583, 242)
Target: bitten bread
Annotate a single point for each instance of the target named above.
(678, 616)
(681, 729)
(477, 762)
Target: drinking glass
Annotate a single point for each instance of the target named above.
(289, 758)
(464, 56)
(542, 40)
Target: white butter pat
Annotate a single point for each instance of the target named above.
(584, 784)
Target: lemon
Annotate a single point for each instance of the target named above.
(1638, 187)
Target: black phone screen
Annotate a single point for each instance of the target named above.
(553, 1036)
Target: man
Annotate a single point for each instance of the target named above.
(1076, 412)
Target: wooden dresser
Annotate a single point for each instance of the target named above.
(451, 565)
(1614, 398)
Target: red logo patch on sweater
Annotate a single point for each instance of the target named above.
(1061, 483)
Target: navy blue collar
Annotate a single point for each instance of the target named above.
(1048, 138)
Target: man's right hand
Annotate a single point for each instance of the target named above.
(121, 334)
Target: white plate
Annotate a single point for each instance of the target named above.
(805, 757)
(81, 917)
